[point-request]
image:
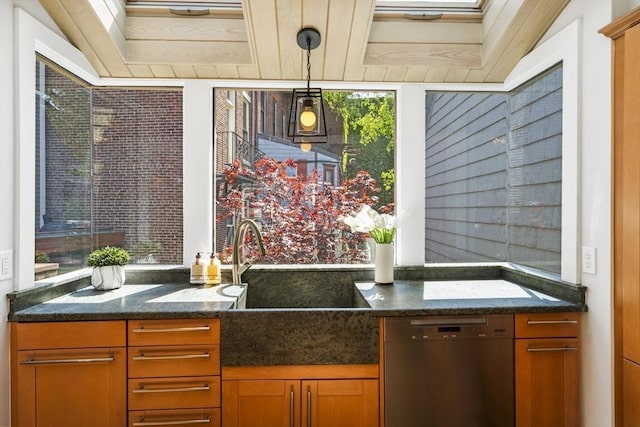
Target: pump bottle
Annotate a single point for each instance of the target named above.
(214, 276)
(197, 276)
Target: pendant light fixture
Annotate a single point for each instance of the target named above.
(306, 115)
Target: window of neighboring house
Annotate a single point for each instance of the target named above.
(274, 118)
(494, 175)
(263, 113)
(329, 173)
(284, 187)
(246, 119)
(104, 158)
(283, 126)
(302, 168)
(231, 123)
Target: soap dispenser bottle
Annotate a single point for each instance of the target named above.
(214, 276)
(197, 271)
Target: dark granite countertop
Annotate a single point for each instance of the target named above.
(452, 297)
(439, 291)
(136, 301)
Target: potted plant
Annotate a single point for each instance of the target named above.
(108, 267)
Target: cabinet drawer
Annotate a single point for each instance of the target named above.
(49, 335)
(543, 325)
(174, 393)
(174, 361)
(173, 332)
(209, 417)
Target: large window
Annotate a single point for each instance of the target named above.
(493, 165)
(108, 171)
(297, 192)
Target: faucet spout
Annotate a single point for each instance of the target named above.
(238, 236)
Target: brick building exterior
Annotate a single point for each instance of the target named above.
(137, 163)
(111, 170)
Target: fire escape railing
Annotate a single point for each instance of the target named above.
(242, 150)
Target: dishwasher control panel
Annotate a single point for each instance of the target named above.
(448, 327)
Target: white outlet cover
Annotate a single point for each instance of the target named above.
(6, 267)
(589, 260)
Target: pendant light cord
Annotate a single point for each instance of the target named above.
(308, 64)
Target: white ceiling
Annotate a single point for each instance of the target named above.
(387, 41)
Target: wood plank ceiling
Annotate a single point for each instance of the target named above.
(256, 39)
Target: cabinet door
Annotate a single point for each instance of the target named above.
(340, 403)
(261, 403)
(547, 382)
(72, 388)
(630, 393)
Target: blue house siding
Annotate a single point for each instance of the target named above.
(493, 175)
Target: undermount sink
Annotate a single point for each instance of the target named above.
(295, 296)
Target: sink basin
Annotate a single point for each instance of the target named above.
(299, 319)
(301, 296)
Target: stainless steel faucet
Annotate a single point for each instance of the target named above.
(238, 236)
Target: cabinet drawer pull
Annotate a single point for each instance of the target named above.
(309, 407)
(171, 390)
(172, 423)
(540, 349)
(62, 361)
(291, 407)
(184, 329)
(179, 356)
(552, 322)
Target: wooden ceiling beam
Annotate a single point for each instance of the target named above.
(432, 55)
(194, 52)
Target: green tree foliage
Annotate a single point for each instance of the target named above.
(369, 132)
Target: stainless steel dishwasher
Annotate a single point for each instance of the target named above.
(449, 371)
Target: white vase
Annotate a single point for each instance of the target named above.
(108, 277)
(384, 263)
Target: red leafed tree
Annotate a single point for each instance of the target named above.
(298, 215)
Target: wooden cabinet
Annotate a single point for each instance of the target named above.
(68, 374)
(547, 370)
(625, 33)
(256, 396)
(174, 372)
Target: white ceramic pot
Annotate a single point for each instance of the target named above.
(107, 278)
(384, 263)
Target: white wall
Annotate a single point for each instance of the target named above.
(594, 124)
(6, 193)
(620, 7)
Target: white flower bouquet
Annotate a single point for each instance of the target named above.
(380, 227)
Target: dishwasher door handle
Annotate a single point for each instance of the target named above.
(449, 322)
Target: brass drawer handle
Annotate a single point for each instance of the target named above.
(308, 407)
(172, 423)
(184, 329)
(68, 361)
(170, 390)
(176, 357)
(291, 408)
(542, 349)
(552, 322)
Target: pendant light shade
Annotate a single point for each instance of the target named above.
(306, 115)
